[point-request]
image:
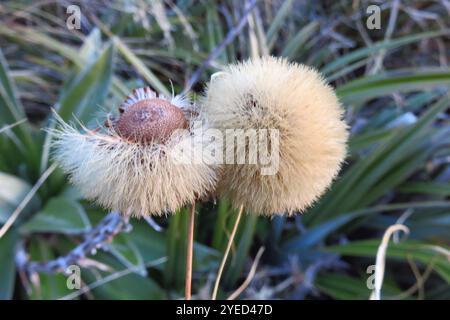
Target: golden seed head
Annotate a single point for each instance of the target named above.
(272, 93)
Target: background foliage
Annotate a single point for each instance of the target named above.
(393, 83)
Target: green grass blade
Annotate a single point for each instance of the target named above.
(140, 67)
(278, 23)
(295, 43)
(395, 81)
(88, 89)
(377, 47)
(417, 250)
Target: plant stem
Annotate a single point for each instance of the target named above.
(189, 252)
(227, 251)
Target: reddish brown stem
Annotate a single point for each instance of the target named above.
(189, 252)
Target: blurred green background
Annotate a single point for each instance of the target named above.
(392, 81)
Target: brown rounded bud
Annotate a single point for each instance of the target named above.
(150, 120)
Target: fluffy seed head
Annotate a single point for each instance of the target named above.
(113, 167)
(271, 93)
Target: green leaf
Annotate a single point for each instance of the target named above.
(377, 47)
(37, 37)
(369, 87)
(86, 86)
(87, 54)
(304, 34)
(150, 243)
(12, 111)
(10, 108)
(140, 67)
(176, 249)
(361, 141)
(346, 70)
(342, 287)
(321, 231)
(12, 191)
(430, 187)
(7, 264)
(205, 258)
(318, 233)
(345, 287)
(127, 253)
(278, 22)
(80, 58)
(60, 215)
(88, 89)
(214, 31)
(90, 49)
(49, 286)
(121, 284)
(219, 236)
(416, 250)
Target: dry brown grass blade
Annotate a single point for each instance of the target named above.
(227, 252)
(250, 276)
(12, 125)
(381, 258)
(25, 200)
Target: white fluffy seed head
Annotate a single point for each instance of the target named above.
(271, 93)
(133, 178)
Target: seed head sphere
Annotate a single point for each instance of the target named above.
(128, 165)
(272, 93)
